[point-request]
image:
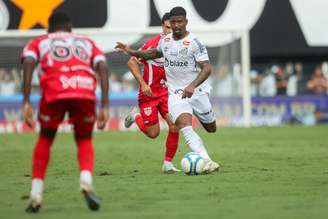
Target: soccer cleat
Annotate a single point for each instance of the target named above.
(210, 167)
(169, 169)
(34, 203)
(129, 118)
(91, 198)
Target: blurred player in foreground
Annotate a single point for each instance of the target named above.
(187, 68)
(68, 63)
(153, 96)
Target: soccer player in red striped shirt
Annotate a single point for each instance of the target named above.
(68, 64)
(153, 96)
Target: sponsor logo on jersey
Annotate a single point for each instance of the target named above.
(77, 82)
(175, 63)
(167, 40)
(186, 43)
(183, 51)
(147, 111)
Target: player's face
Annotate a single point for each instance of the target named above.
(166, 27)
(178, 25)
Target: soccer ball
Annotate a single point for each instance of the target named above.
(192, 164)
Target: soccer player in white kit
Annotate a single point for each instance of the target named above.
(187, 70)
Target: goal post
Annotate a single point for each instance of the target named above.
(229, 50)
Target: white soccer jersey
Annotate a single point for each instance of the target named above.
(181, 57)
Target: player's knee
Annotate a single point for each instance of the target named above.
(153, 134)
(211, 129)
(173, 128)
(48, 133)
(79, 135)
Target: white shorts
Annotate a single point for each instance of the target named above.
(199, 104)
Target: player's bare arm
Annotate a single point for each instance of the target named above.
(205, 72)
(28, 67)
(135, 70)
(102, 70)
(146, 54)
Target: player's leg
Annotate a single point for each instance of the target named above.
(172, 139)
(49, 120)
(202, 109)
(82, 114)
(181, 113)
(149, 118)
(142, 119)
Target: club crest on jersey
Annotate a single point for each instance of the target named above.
(167, 40)
(147, 111)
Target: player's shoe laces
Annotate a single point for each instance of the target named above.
(210, 167)
(129, 118)
(91, 198)
(34, 203)
(169, 168)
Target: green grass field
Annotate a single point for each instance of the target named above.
(267, 173)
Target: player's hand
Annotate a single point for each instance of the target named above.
(146, 90)
(136, 59)
(102, 117)
(188, 91)
(122, 48)
(28, 114)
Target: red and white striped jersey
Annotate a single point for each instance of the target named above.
(153, 73)
(66, 61)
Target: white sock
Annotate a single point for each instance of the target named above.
(86, 177)
(167, 162)
(37, 186)
(194, 142)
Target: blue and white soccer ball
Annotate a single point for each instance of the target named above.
(192, 164)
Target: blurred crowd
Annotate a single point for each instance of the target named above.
(288, 79)
(11, 79)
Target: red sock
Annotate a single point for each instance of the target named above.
(140, 123)
(172, 141)
(41, 157)
(85, 153)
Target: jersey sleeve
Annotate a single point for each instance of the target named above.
(31, 50)
(97, 55)
(199, 51)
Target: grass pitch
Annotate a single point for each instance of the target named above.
(267, 173)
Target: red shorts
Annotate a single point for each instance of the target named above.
(81, 112)
(149, 110)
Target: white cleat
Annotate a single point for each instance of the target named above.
(210, 167)
(169, 168)
(35, 203)
(129, 118)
